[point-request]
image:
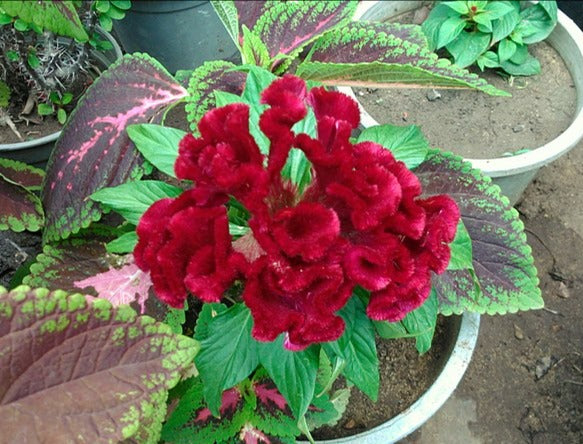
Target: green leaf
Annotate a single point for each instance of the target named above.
(420, 323)
(484, 21)
(12, 55)
(520, 55)
(67, 97)
(21, 25)
(158, 144)
(227, 12)
(176, 317)
(529, 67)
(33, 60)
(467, 47)
(5, 19)
(4, 94)
(223, 98)
(502, 258)
(254, 51)
(228, 354)
(105, 22)
(488, 60)
(461, 249)
(503, 27)
(506, 49)
(122, 4)
(44, 109)
(102, 6)
(61, 116)
(538, 21)
(433, 22)
(294, 373)
(498, 9)
(58, 17)
(461, 7)
(362, 365)
(348, 313)
(132, 199)
(205, 317)
(123, 244)
(405, 142)
(449, 30)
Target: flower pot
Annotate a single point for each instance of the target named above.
(37, 151)
(512, 174)
(180, 34)
(420, 411)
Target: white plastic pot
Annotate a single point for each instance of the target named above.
(36, 152)
(512, 174)
(419, 412)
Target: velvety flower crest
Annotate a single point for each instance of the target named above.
(361, 221)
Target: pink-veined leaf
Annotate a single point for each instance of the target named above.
(74, 366)
(120, 285)
(383, 54)
(286, 27)
(94, 150)
(84, 265)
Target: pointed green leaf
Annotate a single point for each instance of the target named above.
(538, 21)
(529, 67)
(254, 51)
(227, 355)
(506, 49)
(383, 54)
(362, 365)
(420, 323)
(294, 373)
(227, 12)
(123, 244)
(461, 249)
(103, 370)
(467, 47)
(449, 30)
(132, 199)
(503, 260)
(503, 27)
(59, 17)
(407, 143)
(459, 7)
(158, 144)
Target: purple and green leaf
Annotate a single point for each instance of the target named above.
(504, 278)
(59, 17)
(85, 265)
(384, 54)
(287, 27)
(94, 150)
(207, 78)
(103, 371)
(20, 208)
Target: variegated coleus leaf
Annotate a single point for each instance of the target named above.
(21, 174)
(502, 259)
(59, 17)
(94, 150)
(252, 412)
(84, 265)
(383, 54)
(287, 27)
(212, 76)
(20, 208)
(75, 367)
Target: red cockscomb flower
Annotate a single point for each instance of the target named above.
(361, 221)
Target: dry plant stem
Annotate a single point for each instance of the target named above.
(6, 120)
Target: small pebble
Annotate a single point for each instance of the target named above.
(350, 424)
(563, 291)
(518, 334)
(518, 128)
(432, 95)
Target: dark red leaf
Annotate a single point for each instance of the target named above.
(94, 150)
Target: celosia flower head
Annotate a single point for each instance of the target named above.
(361, 221)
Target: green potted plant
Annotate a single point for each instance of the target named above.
(51, 51)
(389, 239)
(512, 173)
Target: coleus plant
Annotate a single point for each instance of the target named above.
(491, 34)
(298, 245)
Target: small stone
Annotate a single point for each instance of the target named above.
(432, 95)
(543, 366)
(378, 101)
(360, 93)
(518, 334)
(350, 424)
(563, 292)
(518, 128)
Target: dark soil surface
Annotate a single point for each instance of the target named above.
(479, 126)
